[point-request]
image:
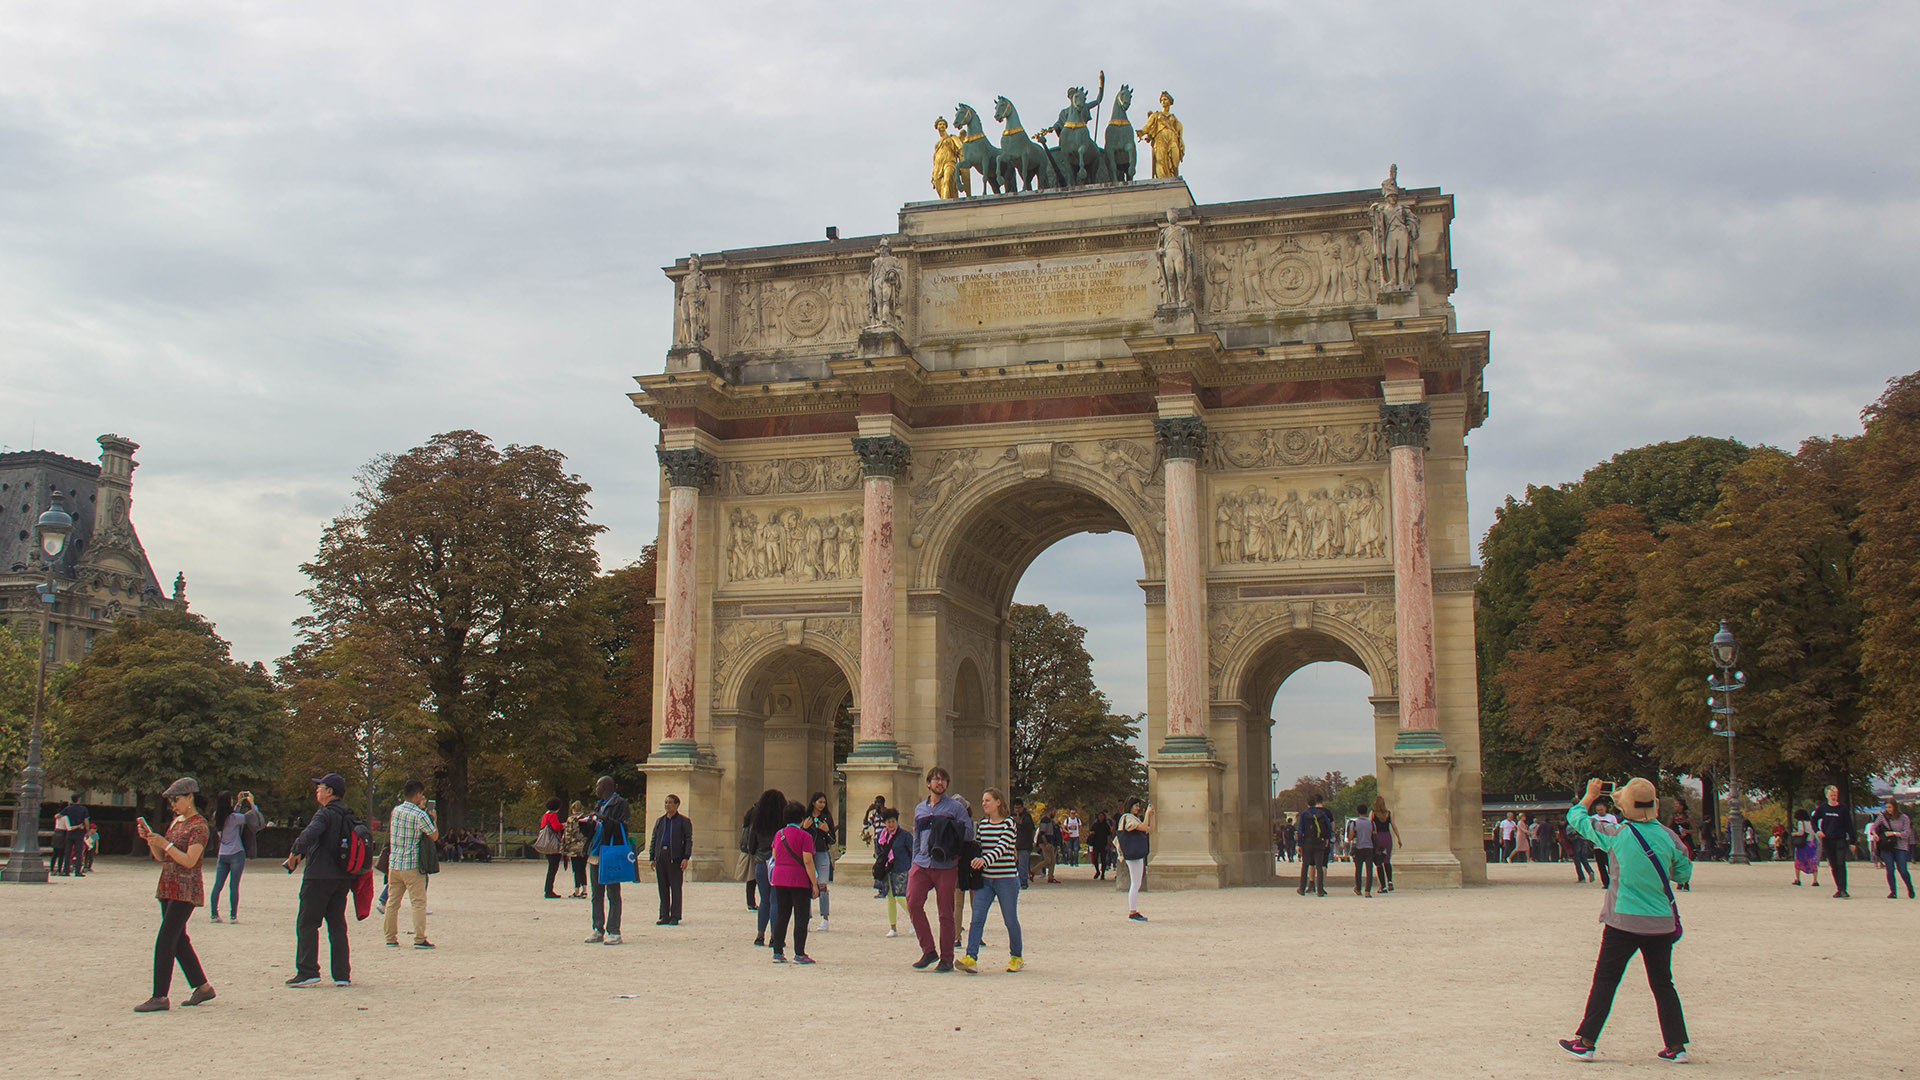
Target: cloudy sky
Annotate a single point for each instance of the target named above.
(269, 242)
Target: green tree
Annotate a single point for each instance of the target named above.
(19, 667)
(356, 708)
(1884, 467)
(1354, 799)
(469, 559)
(1568, 678)
(1775, 561)
(160, 698)
(1065, 738)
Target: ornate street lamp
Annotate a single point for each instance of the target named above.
(23, 861)
(1725, 652)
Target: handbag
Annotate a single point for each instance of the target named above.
(618, 865)
(429, 856)
(1659, 868)
(547, 842)
(380, 863)
(746, 839)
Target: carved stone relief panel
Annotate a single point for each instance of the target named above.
(1321, 444)
(735, 638)
(1329, 518)
(1134, 464)
(789, 476)
(1306, 270)
(793, 543)
(791, 313)
(1230, 624)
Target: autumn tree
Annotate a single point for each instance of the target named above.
(623, 647)
(160, 698)
(1775, 560)
(1884, 469)
(354, 707)
(470, 560)
(1066, 742)
(1568, 679)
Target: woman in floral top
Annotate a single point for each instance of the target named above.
(573, 847)
(181, 890)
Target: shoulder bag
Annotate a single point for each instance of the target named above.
(617, 863)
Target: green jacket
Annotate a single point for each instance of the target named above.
(1636, 901)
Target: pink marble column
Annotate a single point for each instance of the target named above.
(881, 458)
(687, 474)
(1406, 427)
(1183, 439)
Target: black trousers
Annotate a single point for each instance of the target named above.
(1656, 954)
(322, 900)
(796, 904)
(1364, 861)
(1312, 856)
(173, 946)
(1837, 862)
(553, 869)
(606, 903)
(669, 877)
(77, 850)
(579, 871)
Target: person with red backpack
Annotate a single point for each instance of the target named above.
(335, 846)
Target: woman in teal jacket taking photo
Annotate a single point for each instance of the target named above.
(1647, 860)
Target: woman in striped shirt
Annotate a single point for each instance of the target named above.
(999, 880)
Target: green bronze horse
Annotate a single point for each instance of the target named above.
(1024, 164)
(1079, 158)
(1122, 156)
(976, 152)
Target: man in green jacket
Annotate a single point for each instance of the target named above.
(1640, 913)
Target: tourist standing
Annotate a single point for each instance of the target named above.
(1639, 912)
(551, 842)
(408, 822)
(1024, 833)
(324, 887)
(234, 823)
(794, 882)
(764, 822)
(819, 822)
(1049, 839)
(1604, 815)
(179, 853)
(1385, 835)
(1316, 836)
(57, 866)
(669, 850)
(573, 847)
(1136, 826)
(1289, 845)
(940, 826)
(612, 816)
(1834, 823)
(874, 820)
(1072, 831)
(1894, 848)
(1100, 841)
(999, 882)
(1363, 857)
(1508, 830)
(892, 863)
(70, 845)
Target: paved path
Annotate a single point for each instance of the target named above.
(1242, 983)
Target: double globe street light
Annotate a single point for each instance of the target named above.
(24, 864)
(1725, 652)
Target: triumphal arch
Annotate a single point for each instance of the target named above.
(865, 442)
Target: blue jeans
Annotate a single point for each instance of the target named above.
(823, 869)
(1893, 859)
(1007, 891)
(769, 900)
(228, 873)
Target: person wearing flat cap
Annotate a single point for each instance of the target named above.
(181, 890)
(324, 888)
(1640, 913)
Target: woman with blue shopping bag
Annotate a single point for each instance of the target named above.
(610, 861)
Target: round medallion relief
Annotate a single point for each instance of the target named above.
(806, 313)
(1291, 279)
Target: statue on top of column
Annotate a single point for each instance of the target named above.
(1396, 228)
(1162, 131)
(690, 323)
(949, 180)
(884, 282)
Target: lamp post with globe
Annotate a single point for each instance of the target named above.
(1725, 652)
(24, 864)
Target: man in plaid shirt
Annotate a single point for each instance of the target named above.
(405, 826)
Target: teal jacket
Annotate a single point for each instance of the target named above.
(1636, 901)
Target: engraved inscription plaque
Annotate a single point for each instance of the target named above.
(1037, 291)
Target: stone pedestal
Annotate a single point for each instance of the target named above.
(892, 776)
(680, 768)
(1186, 797)
(1423, 811)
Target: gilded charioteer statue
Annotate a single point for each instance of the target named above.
(1024, 162)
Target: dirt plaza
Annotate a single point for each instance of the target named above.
(1477, 982)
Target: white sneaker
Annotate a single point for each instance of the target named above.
(595, 938)
(822, 928)
(613, 939)
(893, 932)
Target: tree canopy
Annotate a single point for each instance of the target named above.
(1068, 747)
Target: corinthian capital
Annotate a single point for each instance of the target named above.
(688, 468)
(882, 455)
(1407, 424)
(1181, 436)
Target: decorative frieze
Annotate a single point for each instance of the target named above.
(1321, 444)
(1332, 521)
(792, 313)
(1293, 271)
(789, 476)
(793, 544)
(1231, 627)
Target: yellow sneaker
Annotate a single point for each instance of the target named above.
(968, 965)
(1014, 963)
